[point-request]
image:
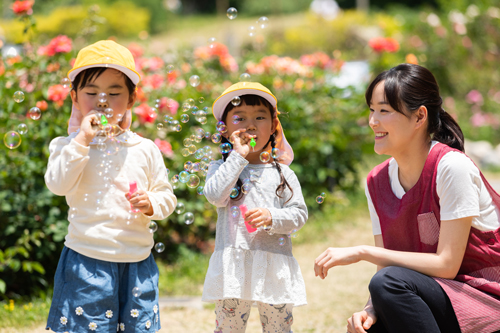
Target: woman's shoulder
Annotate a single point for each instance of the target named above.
(457, 163)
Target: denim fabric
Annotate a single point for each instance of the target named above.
(95, 295)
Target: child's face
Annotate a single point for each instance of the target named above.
(111, 82)
(256, 120)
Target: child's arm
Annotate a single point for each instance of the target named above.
(294, 214)
(67, 160)
(160, 192)
(222, 177)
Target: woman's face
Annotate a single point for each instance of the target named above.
(394, 131)
(111, 82)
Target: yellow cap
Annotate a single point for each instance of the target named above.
(240, 89)
(255, 88)
(105, 53)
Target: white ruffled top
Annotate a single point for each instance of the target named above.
(256, 266)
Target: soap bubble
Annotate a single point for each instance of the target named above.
(102, 97)
(184, 176)
(152, 226)
(281, 241)
(12, 140)
(108, 112)
(190, 102)
(174, 180)
(22, 129)
(323, 194)
(194, 80)
(221, 127)
(188, 166)
(136, 292)
(170, 68)
(193, 181)
(234, 193)
(263, 22)
(65, 82)
(188, 218)
(72, 212)
(101, 146)
(235, 211)
(232, 13)
(185, 152)
(180, 208)
(159, 247)
(320, 199)
(34, 113)
(201, 100)
(265, 157)
(245, 188)
(18, 96)
(225, 148)
(159, 126)
(236, 119)
(186, 142)
(192, 149)
(245, 77)
(216, 137)
(275, 153)
(251, 31)
(199, 190)
(236, 99)
(199, 154)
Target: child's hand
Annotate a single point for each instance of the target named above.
(88, 128)
(259, 217)
(140, 200)
(240, 140)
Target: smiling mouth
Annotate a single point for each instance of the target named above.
(380, 135)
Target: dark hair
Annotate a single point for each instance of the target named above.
(407, 87)
(258, 100)
(91, 74)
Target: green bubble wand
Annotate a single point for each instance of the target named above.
(252, 144)
(104, 121)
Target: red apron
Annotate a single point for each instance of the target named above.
(412, 224)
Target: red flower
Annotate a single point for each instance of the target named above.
(381, 44)
(145, 113)
(23, 7)
(165, 147)
(57, 94)
(60, 44)
(42, 105)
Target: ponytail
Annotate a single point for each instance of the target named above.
(447, 131)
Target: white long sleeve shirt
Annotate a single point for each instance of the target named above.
(95, 183)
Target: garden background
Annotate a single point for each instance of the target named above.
(317, 64)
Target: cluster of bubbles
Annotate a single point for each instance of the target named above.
(262, 23)
(188, 217)
(321, 198)
(13, 139)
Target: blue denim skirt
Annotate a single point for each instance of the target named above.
(101, 296)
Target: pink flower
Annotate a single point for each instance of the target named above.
(228, 63)
(474, 97)
(42, 105)
(154, 81)
(165, 147)
(168, 104)
(135, 49)
(151, 64)
(57, 94)
(60, 44)
(23, 7)
(146, 113)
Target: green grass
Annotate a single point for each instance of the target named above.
(24, 314)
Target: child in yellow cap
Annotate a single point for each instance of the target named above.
(115, 183)
(260, 206)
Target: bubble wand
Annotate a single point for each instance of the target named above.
(244, 210)
(252, 144)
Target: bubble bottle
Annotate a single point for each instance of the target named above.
(132, 190)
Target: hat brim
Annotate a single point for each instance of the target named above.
(220, 103)
(132, 75)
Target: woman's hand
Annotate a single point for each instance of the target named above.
(88, 128)
(240, 140)
(258, 217)
(335, 256)
(139, 200)
(361, 321)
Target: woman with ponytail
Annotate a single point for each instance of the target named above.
(435, 218)
(259, 205)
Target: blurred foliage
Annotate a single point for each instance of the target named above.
(104, 21)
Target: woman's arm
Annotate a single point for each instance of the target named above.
(445, 263)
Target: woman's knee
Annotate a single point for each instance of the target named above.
(386, 280)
